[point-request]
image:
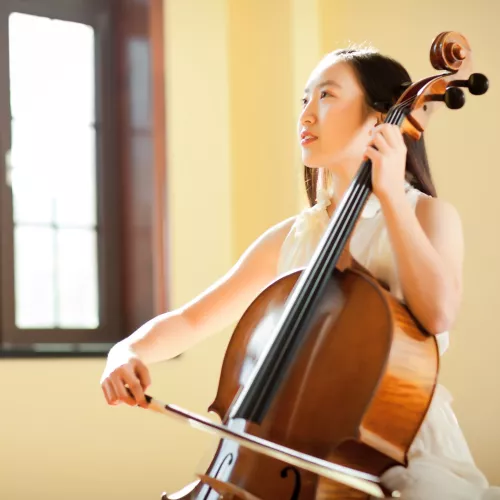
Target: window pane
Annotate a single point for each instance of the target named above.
(51, 69)
(53, 173)
(77, 279)
(56, 278)
(34, 277)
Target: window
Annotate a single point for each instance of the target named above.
(72, 253)
(51, 172)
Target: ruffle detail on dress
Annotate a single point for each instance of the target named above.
(313, 217)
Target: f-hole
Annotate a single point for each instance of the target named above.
(297, 486)
(229, 458)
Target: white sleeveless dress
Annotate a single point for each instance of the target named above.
(441, 466)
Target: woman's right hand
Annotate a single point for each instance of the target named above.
(124, 368)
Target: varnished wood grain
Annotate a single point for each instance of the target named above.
(355, 395)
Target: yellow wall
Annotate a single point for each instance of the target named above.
(235, 73)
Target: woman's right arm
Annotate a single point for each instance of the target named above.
(172, 333)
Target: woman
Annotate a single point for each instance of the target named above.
(405, 236)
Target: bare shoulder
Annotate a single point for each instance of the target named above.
(227, 299)
(260, 259)
(442, 224)
(269, 243)
(434, 213)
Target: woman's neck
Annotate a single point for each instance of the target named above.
(341, 179)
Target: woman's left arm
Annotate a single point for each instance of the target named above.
(428, 247)
(427, 241)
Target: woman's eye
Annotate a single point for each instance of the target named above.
(322, 94)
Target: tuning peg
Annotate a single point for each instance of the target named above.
(453, 97)
(477, 84)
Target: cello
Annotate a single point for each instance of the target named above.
(327, 377)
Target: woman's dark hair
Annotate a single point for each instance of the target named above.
(383, 80)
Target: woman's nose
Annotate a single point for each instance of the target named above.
(307, 117)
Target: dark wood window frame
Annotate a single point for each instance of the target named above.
(131, 175)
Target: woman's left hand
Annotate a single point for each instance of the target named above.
(388, 161)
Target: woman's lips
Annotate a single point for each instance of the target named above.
(308, 139)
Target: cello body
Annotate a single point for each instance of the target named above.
(355, 395)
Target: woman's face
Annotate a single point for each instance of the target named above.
(334, 126)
